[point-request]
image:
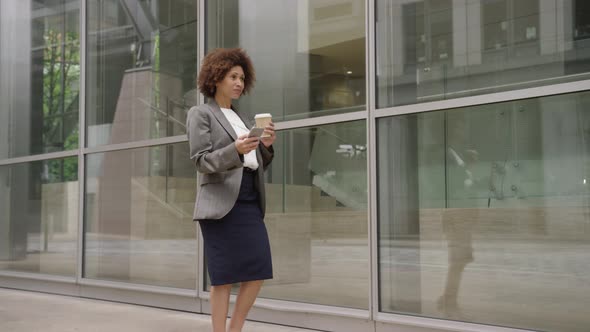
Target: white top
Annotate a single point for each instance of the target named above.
(241, 129)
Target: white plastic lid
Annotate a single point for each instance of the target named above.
(263, 115)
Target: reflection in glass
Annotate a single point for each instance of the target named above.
(39, 217)
(138, 223)
(309, 55)
(484, 213)
(39, 85)
(317, 216)
(142, 60)
(582, 19)
(440, 49)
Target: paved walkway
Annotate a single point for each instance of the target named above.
(22, 311)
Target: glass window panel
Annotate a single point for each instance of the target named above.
(526, 21)
(142, 60)
(317, 216)
(138, 222)
(484, 213)
(40, 81)
(582, 19)
(309, 55)
(436, 50)
(494, 22)
(39, 217)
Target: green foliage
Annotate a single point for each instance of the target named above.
(61, 81)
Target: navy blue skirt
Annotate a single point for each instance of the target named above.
(236, 246)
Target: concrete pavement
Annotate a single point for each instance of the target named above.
(22, 311)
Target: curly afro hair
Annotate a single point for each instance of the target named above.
(217, 64)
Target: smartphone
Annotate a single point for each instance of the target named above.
(256, 132)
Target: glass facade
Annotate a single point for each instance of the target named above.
(483, 213)
(40, 81)
(436, 197)
(39, 217)
(440, 49)
(317, 216)
(309, 55)
(138, 223)
(141, 64)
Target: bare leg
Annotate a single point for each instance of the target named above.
(246, 297)
(219, 306)
(448, 300)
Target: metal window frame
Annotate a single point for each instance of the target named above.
(372, 158)
(81, 144)
(200, 286)
(38, 157)
(492, 98)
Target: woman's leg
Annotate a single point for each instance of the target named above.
(246, 297)
(219, 306)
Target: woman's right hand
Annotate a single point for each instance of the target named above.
(245, 144)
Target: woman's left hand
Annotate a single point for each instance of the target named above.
(269, 130)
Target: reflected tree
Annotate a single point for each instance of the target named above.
(61, 77)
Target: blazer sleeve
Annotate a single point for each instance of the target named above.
(202, 154)
(268, 154)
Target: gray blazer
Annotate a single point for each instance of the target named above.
(219, 165)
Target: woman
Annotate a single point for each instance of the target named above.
(230, 202)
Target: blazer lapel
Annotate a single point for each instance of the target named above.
(222, 119)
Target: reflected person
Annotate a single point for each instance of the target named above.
(230, 202)
(458, 223)
(458, 227)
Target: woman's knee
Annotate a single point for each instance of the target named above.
(221, 288)
(252, 283)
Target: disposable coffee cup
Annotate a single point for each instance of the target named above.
(262, 121)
